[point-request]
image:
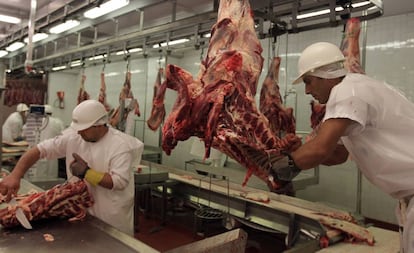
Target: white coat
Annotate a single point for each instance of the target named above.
(381, 140)
(12, 127)
(51, 127)
(115, 153)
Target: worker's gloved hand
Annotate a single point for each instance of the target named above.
(283, 168)
(79, 167)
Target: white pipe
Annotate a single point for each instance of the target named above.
(31, 26)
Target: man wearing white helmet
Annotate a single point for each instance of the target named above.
(366, 119)
(99, 154)
(13, 126)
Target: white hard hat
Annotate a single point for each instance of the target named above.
(86, 114)
(317, 55)
(48, 109)
(22, 107)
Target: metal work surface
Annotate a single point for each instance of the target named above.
(90, 235)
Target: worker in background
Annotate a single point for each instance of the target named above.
(51, 127)
(366, 119)
(13, 126)
(102, 156)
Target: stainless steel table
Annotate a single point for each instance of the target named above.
(89, 235)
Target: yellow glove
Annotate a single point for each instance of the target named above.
(94, 177)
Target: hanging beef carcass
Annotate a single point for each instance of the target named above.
(69, 200)
(218, 106)
(102, 93)
(281, 119)
(350, 49)
(121, 118)
(158, 108)
(82, 95)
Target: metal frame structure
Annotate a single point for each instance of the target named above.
(273, 18)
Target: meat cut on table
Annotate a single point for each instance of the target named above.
(218, 106)
(69, 200)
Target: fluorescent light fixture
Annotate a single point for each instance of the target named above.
(75, 63)
(207, 35)
(318, 13)
(173, 42)
(132, 50)
(15, 46)
(37, 37)
(3, 53)
(69, 24)
(97, 57)
(105, 8)
(313, 14)
(356, 5)
(10, 19)
(59, 68)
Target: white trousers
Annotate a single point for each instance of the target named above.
(405, 217)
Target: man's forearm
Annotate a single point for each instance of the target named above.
(29, 158)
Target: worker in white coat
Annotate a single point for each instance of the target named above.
(366, 119)
(51, 127)
(101, 155)
(13, 126)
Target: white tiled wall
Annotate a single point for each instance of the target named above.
(389, 54)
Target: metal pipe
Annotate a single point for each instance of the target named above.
(31, 26)
(363, 61)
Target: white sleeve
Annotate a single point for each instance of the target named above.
(351, 108)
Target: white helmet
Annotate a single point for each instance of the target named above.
(48, 109)
(86, 114)
(317, 55)
(22, 107)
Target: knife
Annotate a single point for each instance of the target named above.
(21, 217)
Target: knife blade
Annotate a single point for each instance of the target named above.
(21, 217)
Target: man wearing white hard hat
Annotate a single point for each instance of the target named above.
(366, 119)
(101, 155)
(13, 126)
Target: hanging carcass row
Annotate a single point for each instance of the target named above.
(218, 106)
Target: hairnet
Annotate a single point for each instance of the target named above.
(329, 71)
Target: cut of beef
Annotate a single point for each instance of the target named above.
(218, 106)
(158, 108)
(281, 119)
(69, 200)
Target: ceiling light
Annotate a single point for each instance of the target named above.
(3, 53)
(105, 8)
(97, 57)
(132, 50)
(59, 68)
(69, 24)
(37, 37)
(10, 19)
(360, 4)
(173, 42)
(75, 63)
(15, 46)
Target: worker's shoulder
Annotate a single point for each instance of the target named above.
(125, 138)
